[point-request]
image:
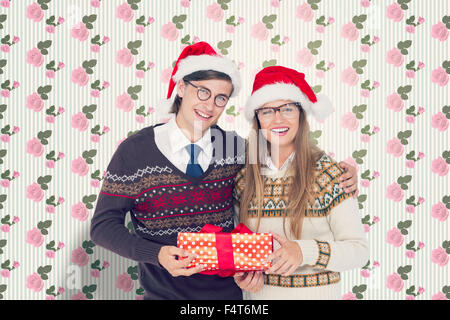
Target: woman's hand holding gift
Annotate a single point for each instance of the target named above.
(286, 259)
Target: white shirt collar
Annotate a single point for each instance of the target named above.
(179, 141)
(271, 165)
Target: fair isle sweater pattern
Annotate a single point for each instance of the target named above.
(166, 201)
(326, 195)
(326, 191)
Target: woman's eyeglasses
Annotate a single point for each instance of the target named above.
(204, 94)
(288, 111)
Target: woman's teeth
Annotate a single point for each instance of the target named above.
(280, 130)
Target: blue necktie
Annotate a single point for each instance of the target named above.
(193, 168)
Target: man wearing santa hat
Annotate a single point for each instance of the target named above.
(177, 177)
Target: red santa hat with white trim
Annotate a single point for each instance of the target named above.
(199, 56)
(281, 83)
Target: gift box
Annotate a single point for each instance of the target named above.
(226, 253)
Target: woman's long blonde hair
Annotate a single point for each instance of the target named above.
(303, 165)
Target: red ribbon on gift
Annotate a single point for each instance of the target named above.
(224, 247)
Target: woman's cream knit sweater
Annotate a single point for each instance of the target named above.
(332, 237)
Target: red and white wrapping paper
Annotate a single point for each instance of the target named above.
(226, 253)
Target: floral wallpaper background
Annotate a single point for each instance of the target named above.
(78, 77)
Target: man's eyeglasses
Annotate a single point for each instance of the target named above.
(288, 111)
(204, 94)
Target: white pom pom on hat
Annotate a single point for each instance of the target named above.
(281, 83)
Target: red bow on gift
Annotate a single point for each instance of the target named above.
(224, 249)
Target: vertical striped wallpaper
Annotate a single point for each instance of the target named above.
(29, 270)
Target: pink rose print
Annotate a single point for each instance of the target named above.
(395, 57)
(349, 121)
(394, 102)
(395, 192)
(124, 12)
(365, 3)
(349, 31)
(214, 12)
(79, 296)
(394, 12)
(124, 102)
(34, 57)
(410, 209)
(439, 31)
(125, 57)
(439, 121)
(170, 32)
(79, 76)
(34, 192)
(365, 273)
(349, 296)
(365, 183)
(124, 282)
(440, 257)
(5, 273)
(439, 211)
(95, 273)
(439, 296)
(395, 147)
(34, 12)
(275, 3)
(34, 237)
(394, 237)
(440, 167)
(79, 121)
(304, 12)
(80, 167)
(305, 57)
(35, 282)
(395, 282)
(350, 77)
(80, 212)
(259, 31)
(185, 3)
(80, 32)
(166, 74)
(365, 48)
(439, 76)
(34, 102)
(35, 147)
(79, 257)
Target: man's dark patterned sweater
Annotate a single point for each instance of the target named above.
(163, 201)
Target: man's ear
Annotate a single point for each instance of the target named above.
(180, 88)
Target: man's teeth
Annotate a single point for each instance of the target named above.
(280, 130)
(202, 114)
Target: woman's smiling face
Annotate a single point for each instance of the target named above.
(279, 130)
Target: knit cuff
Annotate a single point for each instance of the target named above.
(148, 252)
(310, 251)
(324, 254)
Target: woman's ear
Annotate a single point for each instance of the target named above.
(180, 88)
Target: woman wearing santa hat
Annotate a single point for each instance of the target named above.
(292, 189)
